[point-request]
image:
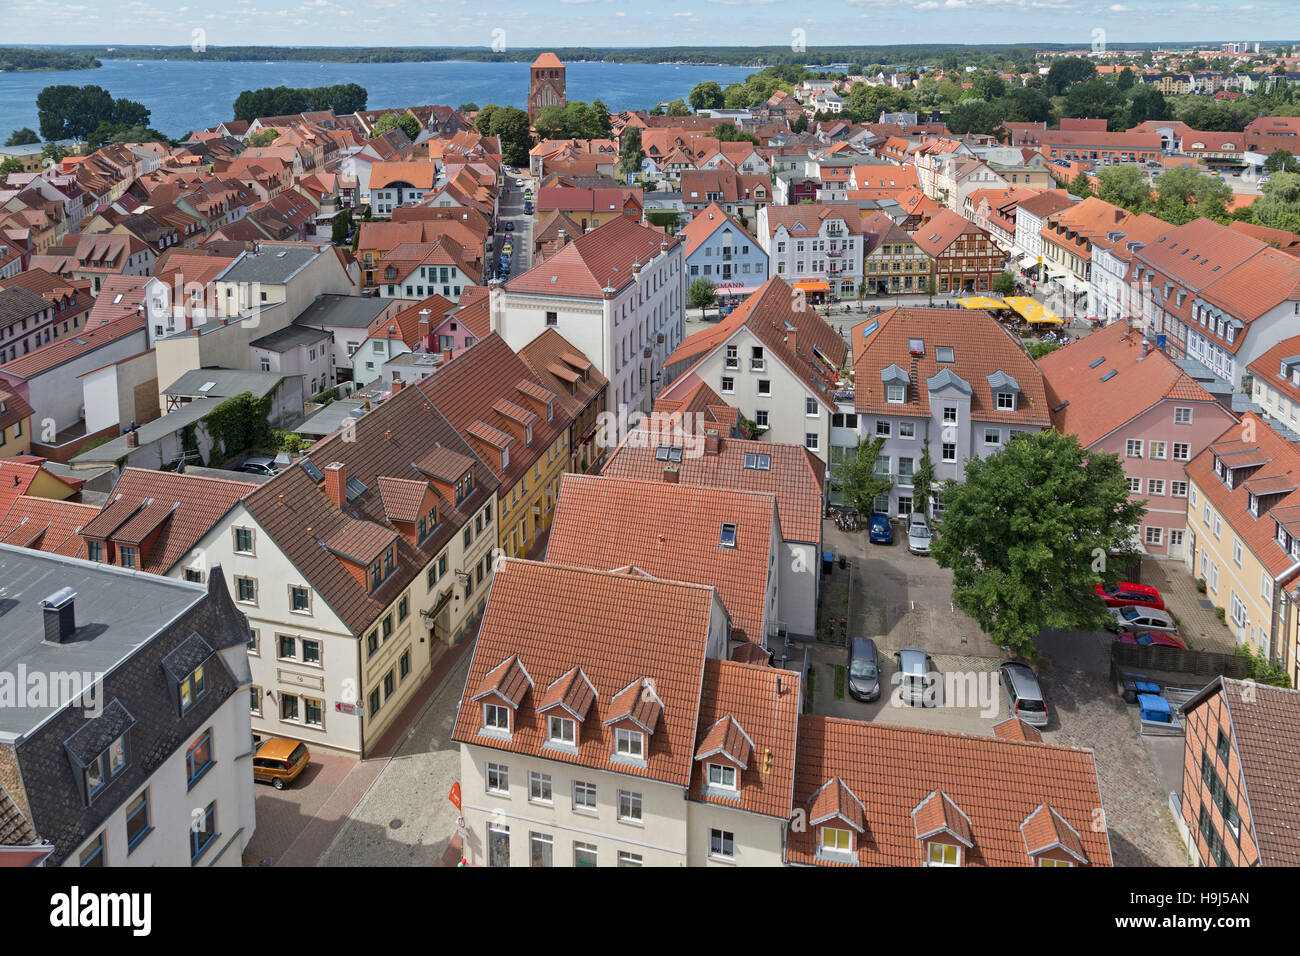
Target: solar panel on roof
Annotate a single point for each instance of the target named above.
(313, 472)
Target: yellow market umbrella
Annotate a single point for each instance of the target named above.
(1031, 310)
(981, 302)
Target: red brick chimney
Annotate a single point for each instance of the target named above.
(712, 444)
(397, 385)
(133, 439)
(446, 355)
(790, 340)
(670, 475)
(336, 483)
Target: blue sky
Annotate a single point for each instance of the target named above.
(531, 23)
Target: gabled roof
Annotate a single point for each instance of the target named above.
(795, 476)
(792, 336)
(46, 525)
(1091, 408)
(671, 531)
(706, 223)
(980, 347)
(556, 618)
(937, 235)
(563, 369)
(604, 257)
(992, 785)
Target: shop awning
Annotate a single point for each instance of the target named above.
(1031, 310)
(1028, 260)
(812, 287)
(981, 302)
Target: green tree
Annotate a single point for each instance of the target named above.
(263, 137)
(974, 116)
(800, 124)
(630, 155)
(1081, 186)
(406, 122)
(1282, 161)
(923, 483)
(1029, 534)
(1025, 104)
(342, 226)
(701, 294)
(1096, 99)
(1126, 79)
(510, 124)
(1147, 103)
(678, 107)
(10, 165)
(23, 137)
(1185, 193)
(707, 96)
(1005, 284)
(1037, 350)
(1066, 71)
(467, 108)
(1124, 185)
(728, 133)
(67, 112)
(1279, 207)
(855, 477)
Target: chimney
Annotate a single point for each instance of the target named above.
(671, 475)
(712, 444)
(446, 355)
(336, 483)
(397, 385)
(133, 438)
(59, 612)
(790, 340)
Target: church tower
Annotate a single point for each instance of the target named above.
(546, 84)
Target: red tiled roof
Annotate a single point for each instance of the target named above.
(602, 258)
(563, 370)
(46, 525)
(1137, 383)
(795, 476)
(1013, 728)
(556, 618)
(707, 222)
(671, 531)
(996, 783)
(980, 346)
(749, 714)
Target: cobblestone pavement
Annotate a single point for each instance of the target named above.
(1088, 713)
(283, 815)
(1200, 627)
(405, 819)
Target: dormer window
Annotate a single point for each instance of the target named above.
(1253, 505)
(836, 840)
(727, 538)
(629, 743)
(496, 717)
(192, 688)
(943, 854)
(505, 458)
(562, 730)
(720, 775)
(1007, 401)
(895, 394)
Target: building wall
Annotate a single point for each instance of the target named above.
(527, 510)
(759, 840)
(16, 439)
(1166, 511)
(171, 807)
(1225, 577)
(1202, 763)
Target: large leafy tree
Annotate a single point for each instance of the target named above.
(1124, 185)
(1185, 193)
(406, 122)
(701, 293)
(23, 137)
(974, 116)
(77, 111)
(1279, 207)
(1065, 72)
(1031, 531)
(856, 476)
(707, 96)
(1097, 99)
(678, 108)
(630, 154)
(511, 125)
(1147, 103)
(1282, 161)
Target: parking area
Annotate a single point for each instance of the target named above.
(1198, 624)
(900, 599)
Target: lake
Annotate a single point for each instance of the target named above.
(186, 95)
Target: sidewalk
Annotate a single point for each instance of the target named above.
(1198, 625)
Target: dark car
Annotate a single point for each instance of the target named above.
(864, 670)
(510, 227)
(1125, 593)
(879, 530)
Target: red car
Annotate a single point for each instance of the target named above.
(1129, 592)
(1151, 638)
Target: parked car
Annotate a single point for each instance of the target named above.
(918, 533)
(917, 677)
(510, 226)
(258, 465)
(879, 529)
(1024, 696)
(1127, 593)
(279, 761)
(528, 209)
(1143, 619)
(864, 670)
(519, 182)
(1151, 638)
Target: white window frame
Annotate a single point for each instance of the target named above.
(624, 741)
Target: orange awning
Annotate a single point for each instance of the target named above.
(812, 287)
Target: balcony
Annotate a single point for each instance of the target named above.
(835, 252)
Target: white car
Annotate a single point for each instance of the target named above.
(1134, 618)
(918, 533)
(519, 182)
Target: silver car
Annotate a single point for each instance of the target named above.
(1024, 696)
(918, 533)
(917, 677)
(1134, 618)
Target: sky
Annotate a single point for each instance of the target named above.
(539, 23)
